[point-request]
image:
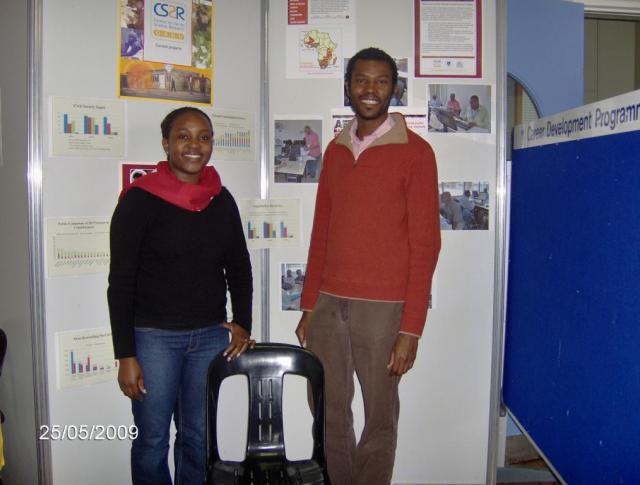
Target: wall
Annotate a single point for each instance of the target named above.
(543, 37)
(16, 382)
(610, 58)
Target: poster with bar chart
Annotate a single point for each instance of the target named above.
(271, 223)
(77, 246)
(85, 357)
(86, 127)
(233, 135)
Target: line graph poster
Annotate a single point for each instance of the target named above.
(85, 357)
(86, 127)
(77, 246)
(271, 223)
(233, 135)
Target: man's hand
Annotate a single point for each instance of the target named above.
(130, 378)
(301, 329)
(403, 354)
(240, 341)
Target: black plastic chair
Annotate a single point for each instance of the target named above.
(265, 460)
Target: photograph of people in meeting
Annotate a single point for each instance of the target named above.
(464, 206)
(459, 108)
(297, 151)
(291, 283)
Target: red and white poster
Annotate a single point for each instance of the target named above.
(448, 40)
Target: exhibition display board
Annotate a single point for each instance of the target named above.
(444, 418)
(102, 100)
(94, 143)
(571, 377)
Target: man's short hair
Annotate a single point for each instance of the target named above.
(371, 54)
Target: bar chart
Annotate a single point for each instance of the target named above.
(90, 125)
(269, 231)
(239, 139)
(233, 135)
(87, 127)
(271, 222)
(85, 357)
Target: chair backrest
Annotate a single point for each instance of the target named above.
(265, 367)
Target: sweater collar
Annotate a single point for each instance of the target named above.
(164, 184)
(396, 135)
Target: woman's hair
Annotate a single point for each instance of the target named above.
(167, 122)
(371, 54)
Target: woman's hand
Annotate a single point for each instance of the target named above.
(130, 378)
(240, 341)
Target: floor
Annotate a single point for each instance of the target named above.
(524, 465)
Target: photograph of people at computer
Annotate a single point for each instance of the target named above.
(459, 108)
(297, 148)
(291, 283)
(464, 206)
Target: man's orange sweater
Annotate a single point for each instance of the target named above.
(376, 229)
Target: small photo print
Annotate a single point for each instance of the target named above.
(400, 95)
(297, 148)
(130, 172)
(464, 206)
(291, 283)
(459, 108)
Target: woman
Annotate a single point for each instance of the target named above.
(177, 245)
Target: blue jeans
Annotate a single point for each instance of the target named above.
(174, 366)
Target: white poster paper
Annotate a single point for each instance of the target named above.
(77, 246)
(87, 127)
(415, 118)
(339, 119)
(321, 12)
(85, 357)
(167, 32)
(270, 223)
(233, 135)
(448, 40)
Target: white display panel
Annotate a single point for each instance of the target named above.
(444, 418)
(80, 60)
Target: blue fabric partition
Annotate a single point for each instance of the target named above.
(572, 357)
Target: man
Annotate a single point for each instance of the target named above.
(453, 104)
(397, 98)
(312, 142)
(289, 280)
(434, 102)
(452, 211)
(465, 201)
(374, 247)
(476, 114)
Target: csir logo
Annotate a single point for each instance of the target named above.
(169, 10)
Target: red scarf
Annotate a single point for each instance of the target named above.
(164, 184)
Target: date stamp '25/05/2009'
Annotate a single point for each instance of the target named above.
(87, 432)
